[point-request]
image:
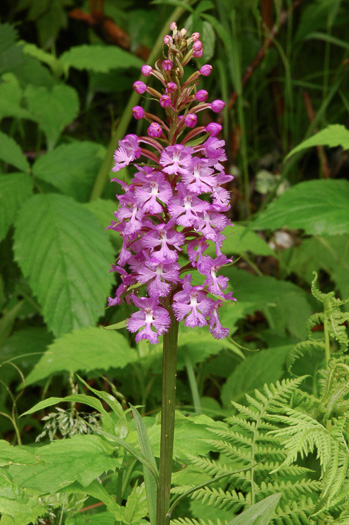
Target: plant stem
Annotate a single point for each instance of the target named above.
(169, 373)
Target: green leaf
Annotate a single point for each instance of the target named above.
(65, 254)
(52, 109)
(333, 136)
(147, 451)
(11, 153)
(136, 506)
(240, 239)
(103, 210)
(102, 518)
(317, 206)
(97, 491)
(11, 55)
(99, 58)
(81, 458)
(17, 505)
(71, 168)
(47, 58)
(11, 97)
(14, 191)
(265, 366)
(209, 40)
(86, 350)
(260, 513)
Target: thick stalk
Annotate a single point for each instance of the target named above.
(169, 373)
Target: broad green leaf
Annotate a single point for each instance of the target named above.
(323, 252)
(18, 506)
(11, 97)
(136, 506)
(11, 55)
(103, 210)
(73, 398)
(71, 168)
(14, 191)
(102, 518)
(332, 136)
(65, 255)
(209, 41)
(147, 451)
(99, 58)
(265, 366)
(12, 154)
(317, 206)
(97, 491)
(82, 458)
(86, 350)
(260, 513)
(52, 109)
(10, 454)
(284, 304)
(240, 239)
(47, 58)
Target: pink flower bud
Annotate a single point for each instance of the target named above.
(171, 87)
(138, 112)
(173, 26)
(165, 101)
(214, 128)
(190, 120)
(184, 31)
(206, 70)
(167, 65)
(195, 36)
(146, 70)
(198, 54)
(197, 45)
(154, 130)
(201, 95)
(217, 105)
(168, 40)
(139, 87)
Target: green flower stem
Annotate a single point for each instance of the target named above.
(120, 131)
(169, 373)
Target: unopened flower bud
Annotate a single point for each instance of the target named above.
(198, 54)
(183, 31)
(197, 45)
(214, 128)
(154, 130)
(217, 105)
(146, 70)
(206, 70)
(138, 112)
(190, 120)
(195, 36)
(140, 87)
(173, 26)
(168, 40)
(201, 95)
(165, 101)
(167, 65)
(171, 87)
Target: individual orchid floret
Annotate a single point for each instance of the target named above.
(186, 208)
(159, 276)
(201, 95)
(209, 267)
(192, 304)
(138, 112)
(171, 87)
(175, 159)
(165, 101)
(167, 65)
(216, 328)
(213, 128)
(140, 87)
(154, 130)
(127, 152)
(217, 105)
(150, 321)
(206, 70)
(146, 70)
(190, 120)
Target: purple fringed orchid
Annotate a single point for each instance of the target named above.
(175, 203)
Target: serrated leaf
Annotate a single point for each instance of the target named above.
(11, 55)
(17, 506)
(86, 350)
(333, 136)
(14, 190)
(265, 366)
(11, 153)
(81, 458)
(99, 58)
(260, 513)
(52, 109)
(65, 255)
(11, 97)
(317, 206)
(47, 58)
(71, 168)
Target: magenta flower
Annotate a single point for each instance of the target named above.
(174, 205)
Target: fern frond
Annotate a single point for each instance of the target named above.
(301, 349)
(290, 489)
(220, 499)
(188, 521)
(294, 512)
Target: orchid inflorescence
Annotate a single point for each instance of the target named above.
(161, 211)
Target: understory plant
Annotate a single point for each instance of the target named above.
(174, 206)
